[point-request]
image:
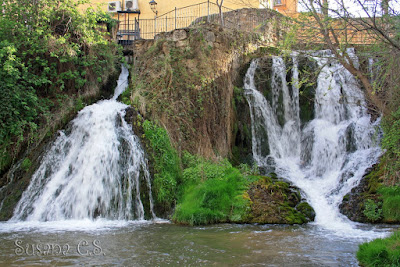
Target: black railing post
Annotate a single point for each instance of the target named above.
(136, 30)
(175, 19)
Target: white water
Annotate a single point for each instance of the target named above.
(93, 170)
(328, 156)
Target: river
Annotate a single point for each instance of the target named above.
(160, 243)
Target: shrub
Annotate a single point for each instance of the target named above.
(372, 210)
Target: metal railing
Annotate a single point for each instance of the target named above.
(175, 19)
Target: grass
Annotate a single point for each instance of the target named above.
(391, 203)
(166, 164)
(213, 193)
(380, 252)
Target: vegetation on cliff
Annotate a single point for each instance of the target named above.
(184, 80)
(53, 59)
(193, 190)
(167, 173)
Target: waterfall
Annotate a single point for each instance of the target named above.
(326, 156)
(95, 168)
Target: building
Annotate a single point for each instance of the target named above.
(164, 6)
(145, 18)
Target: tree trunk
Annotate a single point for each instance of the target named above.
(370, 93)
(385, 7)
(221, 15)
(345, 60)
(325, 7)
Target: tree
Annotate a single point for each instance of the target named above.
(325, 7)
(337, 26)
(221, 14)
(374, 28)
(385, 6)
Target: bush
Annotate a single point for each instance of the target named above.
(48, 49)
(372, 210)
(380, 252)
(214, 193)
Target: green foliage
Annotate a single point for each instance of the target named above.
(247, 170)
(26, 164)
(391, 142)
(102, 16)
(126, 96)
(166, 164)
(380, 252)
(213, 194)
(47, 48)
(79, 104)
(372, 210)
(391, 203)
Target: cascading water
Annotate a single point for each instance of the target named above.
(93, 170)
(326, 156)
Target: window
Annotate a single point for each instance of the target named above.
(278, 2)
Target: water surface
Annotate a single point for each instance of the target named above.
(164, 244)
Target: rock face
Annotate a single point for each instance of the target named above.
(353, 204)
(185, 80)
(277, 202)
(266, 22)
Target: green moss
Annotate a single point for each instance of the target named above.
(282, 185)
(275, 201)
(306, 210)
(380, 252)
(374, 178)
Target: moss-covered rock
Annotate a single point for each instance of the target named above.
(371, 201)
(277, 202)
(353, 204)
(308, 70)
